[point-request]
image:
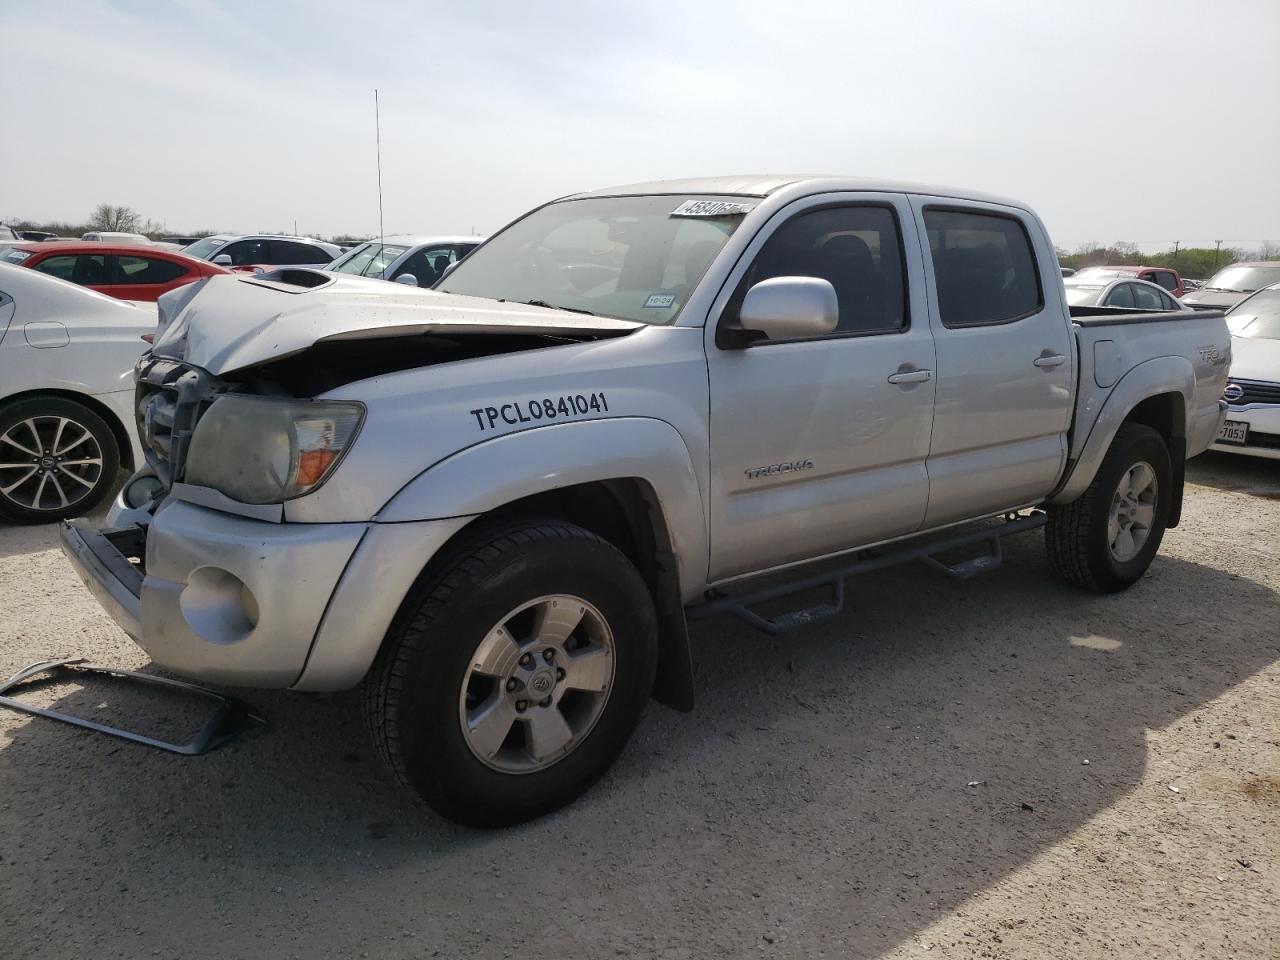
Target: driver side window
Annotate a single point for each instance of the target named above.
(857, 249)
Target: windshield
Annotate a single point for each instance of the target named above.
(368, 260)
(1245, 279)
(1259, 316)
(633, 258)
(1079, 294)
(203, 249)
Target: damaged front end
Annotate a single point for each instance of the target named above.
(296, 335)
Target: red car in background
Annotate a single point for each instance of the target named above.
(1165, 277)
(123, 271)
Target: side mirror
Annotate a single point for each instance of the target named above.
(222, 260)
(786, 308)
(408, 278)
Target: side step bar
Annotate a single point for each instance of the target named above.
(230, 718)
(739, 604)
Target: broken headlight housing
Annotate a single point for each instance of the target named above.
(265, 450)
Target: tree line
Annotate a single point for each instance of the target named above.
(112, 218)
(1197, 262)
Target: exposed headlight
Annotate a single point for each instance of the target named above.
(263, 450)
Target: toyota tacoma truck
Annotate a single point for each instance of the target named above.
(496, 503)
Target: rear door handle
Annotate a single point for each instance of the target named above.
(911, 376)
(1053, 360)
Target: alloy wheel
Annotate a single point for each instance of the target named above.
(48, 463)
(537, 684)
(1133, 511)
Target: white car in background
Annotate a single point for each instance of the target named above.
(66, 394)
(111, 236)
(1127, 292)
(405, 258)
(1252, 423)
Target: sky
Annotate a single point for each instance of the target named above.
(1119, 120)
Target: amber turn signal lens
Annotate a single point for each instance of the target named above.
(312, 465)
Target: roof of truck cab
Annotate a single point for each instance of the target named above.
(763, 184)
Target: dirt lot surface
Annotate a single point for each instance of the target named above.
(1001, 768)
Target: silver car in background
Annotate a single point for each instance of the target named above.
(405, 258)
(1232, 284)
(1129, 293)
(243, 250)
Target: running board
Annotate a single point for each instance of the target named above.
(739, 605)
(230, 718)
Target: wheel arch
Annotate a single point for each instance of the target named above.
(636, 489)
(118, 429)
(1155, 393)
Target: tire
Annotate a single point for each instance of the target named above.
(1079, 536)
(429, 708)
(58, 459)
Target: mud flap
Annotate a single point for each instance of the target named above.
(1178, 469)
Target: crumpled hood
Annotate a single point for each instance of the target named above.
(227, 323)
(1255, 358)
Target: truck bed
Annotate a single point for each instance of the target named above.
(1114, 344)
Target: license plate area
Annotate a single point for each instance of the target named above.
(1233, 431)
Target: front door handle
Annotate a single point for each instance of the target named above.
(911, 376)
(1053, 360)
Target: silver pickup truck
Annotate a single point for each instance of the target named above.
(497, 503)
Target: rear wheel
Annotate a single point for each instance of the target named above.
(58, 459)
(515, 673)
(1106, 539)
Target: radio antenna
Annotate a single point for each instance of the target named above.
(377, 126)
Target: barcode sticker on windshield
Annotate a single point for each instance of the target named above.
(712, 208)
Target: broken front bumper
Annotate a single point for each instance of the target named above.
(226, 599)
(216, 597)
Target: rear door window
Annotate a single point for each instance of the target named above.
(131, 269)
(1165, 279)
(984, 268)
(1144, 298)
(294, 253)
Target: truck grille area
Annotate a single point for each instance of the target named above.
(169, 399)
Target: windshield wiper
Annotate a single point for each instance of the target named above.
(552, 306)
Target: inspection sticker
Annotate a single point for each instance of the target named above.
(712, 208)
(660, 300)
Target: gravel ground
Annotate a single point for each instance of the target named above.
(1003, 768)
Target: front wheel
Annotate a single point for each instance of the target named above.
(514, 674)
(1106, 539)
